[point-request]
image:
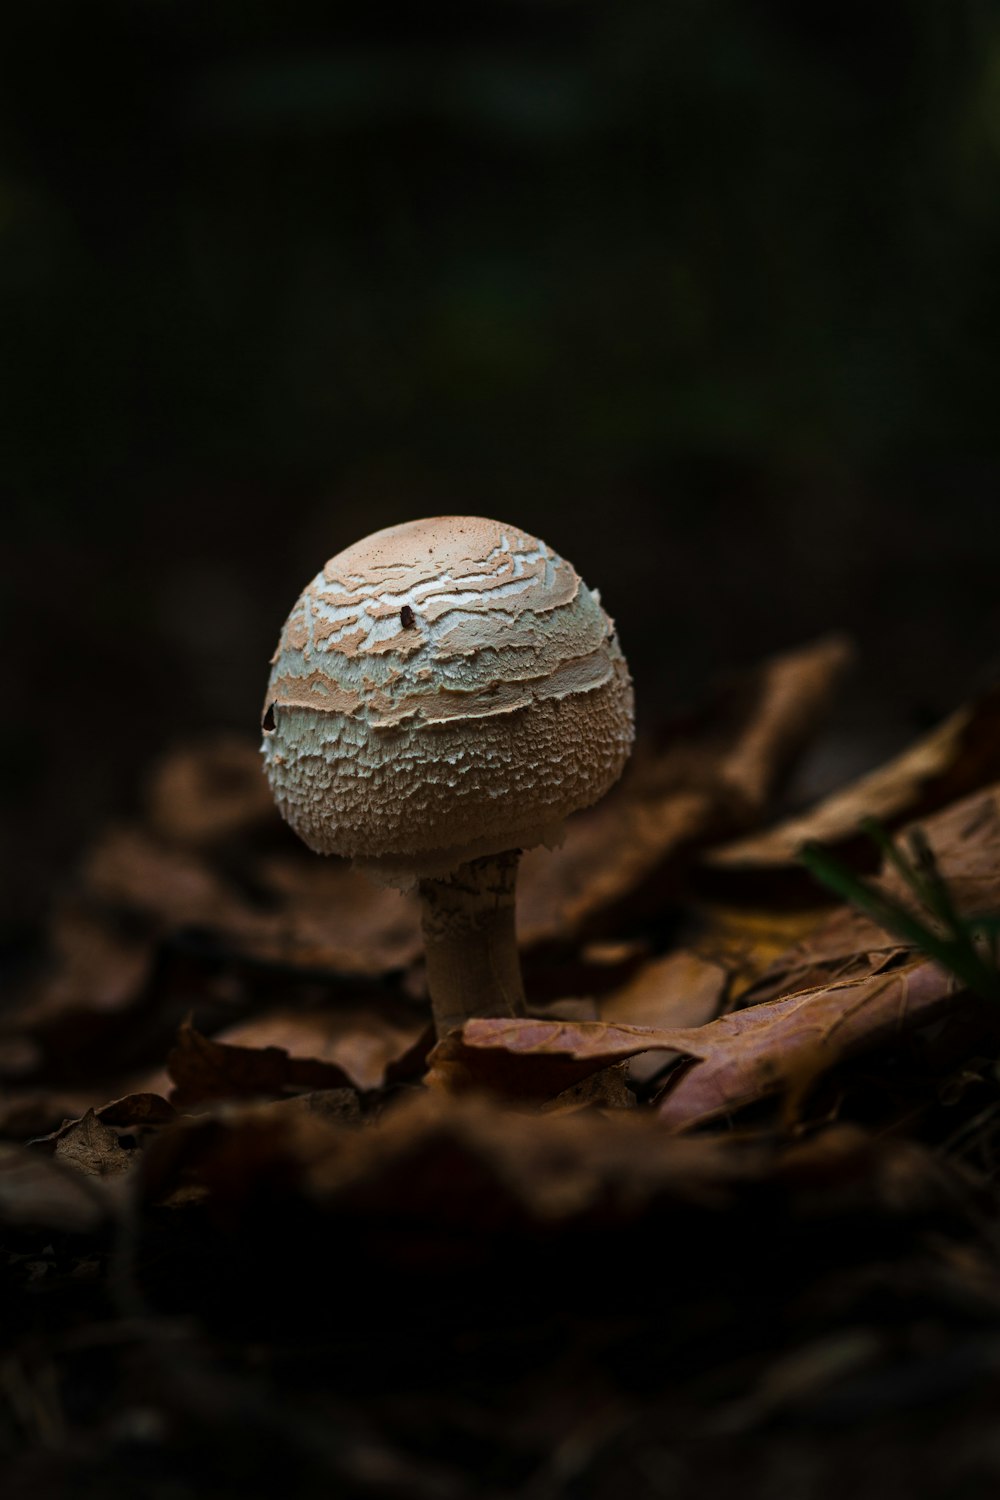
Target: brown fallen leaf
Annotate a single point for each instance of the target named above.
(140, 889)
(159, 886)
(753, 1054)
(961, 755)
(606, 1089)
(132, 1113)
(745, 941)
(135, 1111)
(205, 1070)
(785, 1045)
(214, 882)
(364, 1042)
(678, 989)
(714, 777)
(92, 1148)
(965, 838)
(846, 946)
(529, 1059)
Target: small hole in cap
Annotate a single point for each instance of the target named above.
(267, 723)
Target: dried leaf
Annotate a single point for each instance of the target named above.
(678, 989)
(606, 1089)
(528, 1059)
(959, 756)
(965, 839)
(739, 1059)
(785, 1045)
(363, 1042)
(92, 1148)
(204, 1069)
(747, 941)
(133, 1112)
(136, 1111)
(413, 1063)
(846, 946)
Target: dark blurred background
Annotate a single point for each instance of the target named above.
(706, 293)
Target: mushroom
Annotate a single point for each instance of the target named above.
(444, 694)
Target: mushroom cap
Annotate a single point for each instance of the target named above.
(442, 690)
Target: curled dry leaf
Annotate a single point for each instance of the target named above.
(745, 941)
(778, 1047)
(364, 1042)
(133, 1112)
(784, 1046)
(959, 756)
(607, 1089)
(92, 1148)
(529, 1059)
(678, 989)
(205, 1070)
(965, 839)
(844, 947)
(713, 778)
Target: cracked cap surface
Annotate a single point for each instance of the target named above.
(444, 689)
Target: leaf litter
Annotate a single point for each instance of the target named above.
(542, 1254)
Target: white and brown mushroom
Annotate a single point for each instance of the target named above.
(443, 695)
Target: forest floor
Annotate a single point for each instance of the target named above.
(721, 1215)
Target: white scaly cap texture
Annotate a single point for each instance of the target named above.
(443, 690)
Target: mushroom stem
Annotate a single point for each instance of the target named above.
(473, 968)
